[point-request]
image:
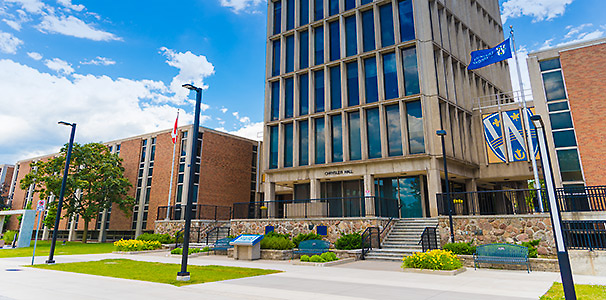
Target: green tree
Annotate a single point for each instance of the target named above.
(95, 181)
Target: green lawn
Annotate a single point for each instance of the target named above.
(584, 291)
(43, 248)
(155, 272)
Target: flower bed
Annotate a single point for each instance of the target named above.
(136, 245)
(433, 260)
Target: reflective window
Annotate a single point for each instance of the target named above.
(564, 138)
(319, 141)
(333, 7)
(318, 9)
(558, 106)
(290, 53)
(353, 97)
(275, 100)
(335, 87)
(290, 14)
(407, 25)
(276, 58)
(390, 76)
(550, 64)
(319, 90)
(554, 86)
(414, 119)
(303, 143)
(350, 4)
(303, 94)
(374, 133)
(370, 80)
(387, 36)
(337, 138)
(351, 43)
(355, 141)
(366, 1)
(335, 49)
(560, 120)
(273, 147)
(368, 31)
(288, 146)
(394, 132)
(289, 102)
(411, 73)
(277, 17)
(303, 50)
(570, 167)
(303, 12)
(319, 45)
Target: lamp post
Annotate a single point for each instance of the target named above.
(554, 211)
(62, 193)
(183, 275)
(442, 134)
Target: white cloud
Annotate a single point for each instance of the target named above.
(59, 66)
(585, 36)
(236, 114)
(9, 43)
(34, 55)
(32, 6)
(12, 24)
(253, 131)
(240, 5)
(223, 109)
(539, 10)
(573, 30)
(245, 120)
(192, 69)
(103, 61)
(75, 27)
(68, 4)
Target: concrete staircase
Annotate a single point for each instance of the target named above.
(402, 240)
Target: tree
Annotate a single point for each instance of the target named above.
(95, 181)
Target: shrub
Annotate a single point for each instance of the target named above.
(280, 235)
(349, 242)
(304, 257)
(461, 248)
(136, 245)
(329, 256)
(190, 252)
(305, 237)
(9, 236)
(276, 242)
(162, 238)
(433, 260)
(316, 258)
(206, 249)
(532, 248)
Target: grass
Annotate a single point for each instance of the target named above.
(584, 291)
(156, 272)
(69, 248)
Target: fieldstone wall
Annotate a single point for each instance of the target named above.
(197, 231)
(512, 229)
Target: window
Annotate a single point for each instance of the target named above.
(407, 25)
(366, 1)
(564, 138)
(273, 147)
(550, 64)
(276, 58)
(290, 53)
(335, 49)
(275, 100)
(290, 14)
(277, 16)
(350, 4)
(319, 45)
(387, 36)
(304, 49)
(560, 120)
(303, 12)
(558, 106)
(303, 143)
(394, 132)
(288, 145)
(303, 94)
(411, 75)
(414, 119)
(318, 9)
(335, 87)
(351, 42)
(337, 138)
(319, 141)
(370, 80)
(355, 142)
(333, 7)
(374, 133)
(353, 97)
(554, 85)
(570, 167)
(368, 31)
(289, 97)
(319, 90)
(390, 76)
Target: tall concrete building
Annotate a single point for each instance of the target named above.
(356, 89)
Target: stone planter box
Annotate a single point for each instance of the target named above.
(139, 252)
(326, 264)
(435, 272)
(268, 254)
(536, 264)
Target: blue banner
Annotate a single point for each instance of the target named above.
(483, 58)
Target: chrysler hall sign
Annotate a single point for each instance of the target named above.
(340, 172)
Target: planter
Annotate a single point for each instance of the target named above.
(268, 254)
(436, 272)
(139, 252)
(325, 264)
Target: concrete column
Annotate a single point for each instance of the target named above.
(45, 233)
(72, 229)
(471, 185)
(369, 183)
(434, 186)
(102, 229)
(2, 223)
(270, 195)
(315, 188)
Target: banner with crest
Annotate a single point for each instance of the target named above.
(505, 136)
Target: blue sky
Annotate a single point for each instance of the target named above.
(115, 67)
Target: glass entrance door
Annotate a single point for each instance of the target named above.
(409, 193)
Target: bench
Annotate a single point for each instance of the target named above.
(222, 244)
(312, 247)
(501, 254)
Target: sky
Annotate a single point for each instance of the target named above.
(116, 67)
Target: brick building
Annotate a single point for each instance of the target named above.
(228, 174)
(568, 86)
(6, 174)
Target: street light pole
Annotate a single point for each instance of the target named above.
(183, 275)
(442, 134)
(62, 193)
(554, 211)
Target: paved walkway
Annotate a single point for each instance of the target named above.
(358, 280)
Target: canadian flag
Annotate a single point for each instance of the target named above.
(174, 133)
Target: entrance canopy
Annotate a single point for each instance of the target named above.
(27, 224)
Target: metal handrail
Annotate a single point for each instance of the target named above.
(389, 221)
(180, 232)
(429, 239)
(216, 230)
(366, 242)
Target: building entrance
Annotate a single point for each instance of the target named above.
(407, 190)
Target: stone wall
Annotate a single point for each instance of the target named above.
(512, 229)
(171, 227)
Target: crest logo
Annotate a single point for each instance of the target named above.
(493, 133)
(501, 50)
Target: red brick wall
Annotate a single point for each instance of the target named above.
(585, 76)
(130, 152)
(4, 189)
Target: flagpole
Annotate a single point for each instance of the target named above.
(537, 183)
(172, 172)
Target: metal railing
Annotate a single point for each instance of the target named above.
(217, 233)
(317, 208)
(199, 212)
(583, 198)
(500, 202)
(429, 239)
(368, 241)
(585, 235)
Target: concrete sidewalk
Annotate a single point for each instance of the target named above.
(358, 280)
